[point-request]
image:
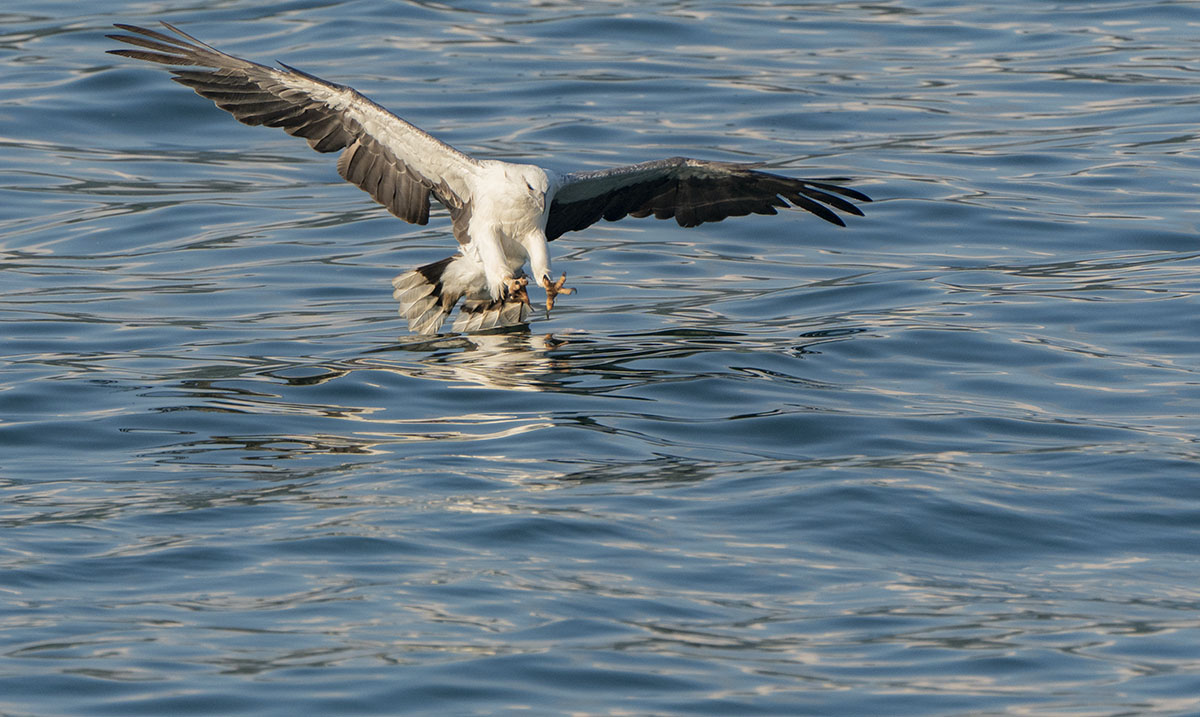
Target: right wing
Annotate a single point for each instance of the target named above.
(396, 163)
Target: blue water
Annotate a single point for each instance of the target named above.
(945, 461)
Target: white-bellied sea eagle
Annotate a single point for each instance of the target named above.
(502, 213)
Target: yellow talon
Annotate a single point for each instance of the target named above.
(516, 289)
(553, 290)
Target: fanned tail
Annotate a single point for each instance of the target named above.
(422, 296)
(426, 301)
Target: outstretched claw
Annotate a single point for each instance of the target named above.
(553, 290)
(515, 288)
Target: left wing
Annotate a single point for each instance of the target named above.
(692, 191)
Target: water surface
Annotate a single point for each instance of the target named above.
(940, 462)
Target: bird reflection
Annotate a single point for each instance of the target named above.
(268, 406)
(517, 359)
(513, 359)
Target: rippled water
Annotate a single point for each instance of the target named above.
(943, 461)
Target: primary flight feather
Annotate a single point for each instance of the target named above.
(502, 213)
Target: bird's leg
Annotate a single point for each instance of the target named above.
(515, 289)
(554, 289)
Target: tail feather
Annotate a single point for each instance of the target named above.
(426, 302)
(422, 298)
(476, 315)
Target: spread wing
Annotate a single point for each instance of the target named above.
(396, 163)
(691, 190)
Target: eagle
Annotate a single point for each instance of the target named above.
(503, 214)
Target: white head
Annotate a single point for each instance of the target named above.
(535, 178)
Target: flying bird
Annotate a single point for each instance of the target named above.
(502, 213)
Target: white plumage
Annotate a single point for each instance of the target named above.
(502, 214)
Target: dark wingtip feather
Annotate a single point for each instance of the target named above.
(149, 44)
(827, 185)
(831, 199)
(146, 32)
(152, 57)
(187, 37)
(817, 208)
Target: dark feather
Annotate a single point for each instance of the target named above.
(690, 191)
(259, 95)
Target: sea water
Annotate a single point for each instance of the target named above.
(940, 462)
